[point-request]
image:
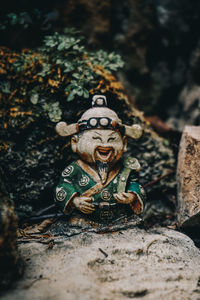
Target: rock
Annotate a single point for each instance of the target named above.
(9, 258)
(135, 263)
(188, 178)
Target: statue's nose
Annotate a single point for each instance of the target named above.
(106, 144)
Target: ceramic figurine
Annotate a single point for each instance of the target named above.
(100, 184)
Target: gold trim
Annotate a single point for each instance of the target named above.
(93, 190)
(99, 186)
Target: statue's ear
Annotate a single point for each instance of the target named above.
(66, 130)
(74, 141)
(134, 131)
(125, 143)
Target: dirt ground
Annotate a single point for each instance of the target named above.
(129, 264)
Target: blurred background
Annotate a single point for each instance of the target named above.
(158, 40)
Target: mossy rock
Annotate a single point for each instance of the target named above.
(33, 155)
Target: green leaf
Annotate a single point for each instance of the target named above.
(85, 93)
(34, 98)
(76, 75)
(53, 110)
(45, 70)
(5, 87)
(79, 93)
(69, 67)
(71, 96)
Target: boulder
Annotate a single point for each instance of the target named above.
(188, 178)
(9, 258)
(127, 264)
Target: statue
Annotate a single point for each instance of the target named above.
(100, 184)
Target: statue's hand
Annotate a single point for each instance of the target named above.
(83, 204)
(124, 198)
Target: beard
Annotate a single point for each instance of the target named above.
(102, 168)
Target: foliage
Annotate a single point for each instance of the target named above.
(60, 70)
(26, 29)
(12, 19)
(69, 53)
(54, 111)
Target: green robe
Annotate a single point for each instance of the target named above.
(80, 179)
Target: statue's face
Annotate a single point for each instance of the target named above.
(104, 145)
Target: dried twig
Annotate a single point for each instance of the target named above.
(158, 179)
(103, 252)
(149, 245)
(40, 212)
(38, 218)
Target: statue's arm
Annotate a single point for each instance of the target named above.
(64, 194)
(137, 205)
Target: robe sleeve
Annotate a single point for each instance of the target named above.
(138, 204)
(65, 192)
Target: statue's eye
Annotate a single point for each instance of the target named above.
(111, 139)
(96, 138)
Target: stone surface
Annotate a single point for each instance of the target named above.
(188, 178)
(154, 264)
(9, 258)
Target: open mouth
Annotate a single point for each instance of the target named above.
(104, 153)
